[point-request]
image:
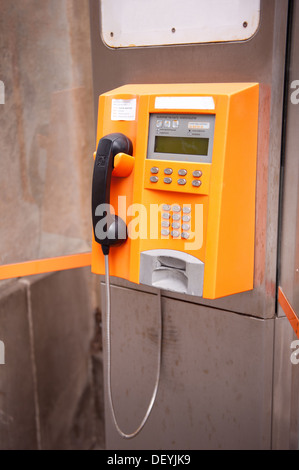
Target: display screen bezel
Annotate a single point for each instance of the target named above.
(181, 125)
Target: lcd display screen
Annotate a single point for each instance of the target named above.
(182, 145)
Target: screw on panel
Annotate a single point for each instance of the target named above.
(173, 30)
(245, 24)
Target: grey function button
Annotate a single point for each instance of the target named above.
(166, 207)
(176, 217)
(185, 227)
(165, 224)
(154, 170)
(186, 218)
(167, 180)
(175, 234)
(176, 225)
(154, 179)
(176, 208)
(166, 216)
(197, 174)
(186, 210)
(168, 171)
(182, 182)
(183, 172)
(185, 236)
(165, 233)
(196, 183)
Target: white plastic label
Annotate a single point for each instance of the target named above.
(185, 102)
(123, 110)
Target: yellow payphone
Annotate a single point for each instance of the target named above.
(173, 195)
(176, 181)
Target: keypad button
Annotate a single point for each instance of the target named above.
(165, 224)
(166, 216)
(196, 183)
(165, 233)
(185, 236)
(154, 179)
(186, 210)
(175, 234)
(176, 208)
(182, 182)
(167, 180)
(176, 225)
(197, 174)
(176, 217)
(185, 227)
(168, 171)
(183, 172)
(166, 207)
(154, 170)
(186, 218)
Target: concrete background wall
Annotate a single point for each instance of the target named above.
(46, 129)
(51, 383)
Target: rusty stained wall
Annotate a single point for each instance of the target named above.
(46, 129)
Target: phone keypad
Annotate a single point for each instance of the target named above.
(176, 221)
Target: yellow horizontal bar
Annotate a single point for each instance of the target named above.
(289, 311)
(63, 263)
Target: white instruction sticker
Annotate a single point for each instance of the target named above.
(123, 110)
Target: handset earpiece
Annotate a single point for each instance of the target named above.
(109, 229)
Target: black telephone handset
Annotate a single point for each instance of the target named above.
(109, 229)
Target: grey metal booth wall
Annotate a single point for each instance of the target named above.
(222, 360)
(261, 59)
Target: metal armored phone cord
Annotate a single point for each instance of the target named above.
(108, 340)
